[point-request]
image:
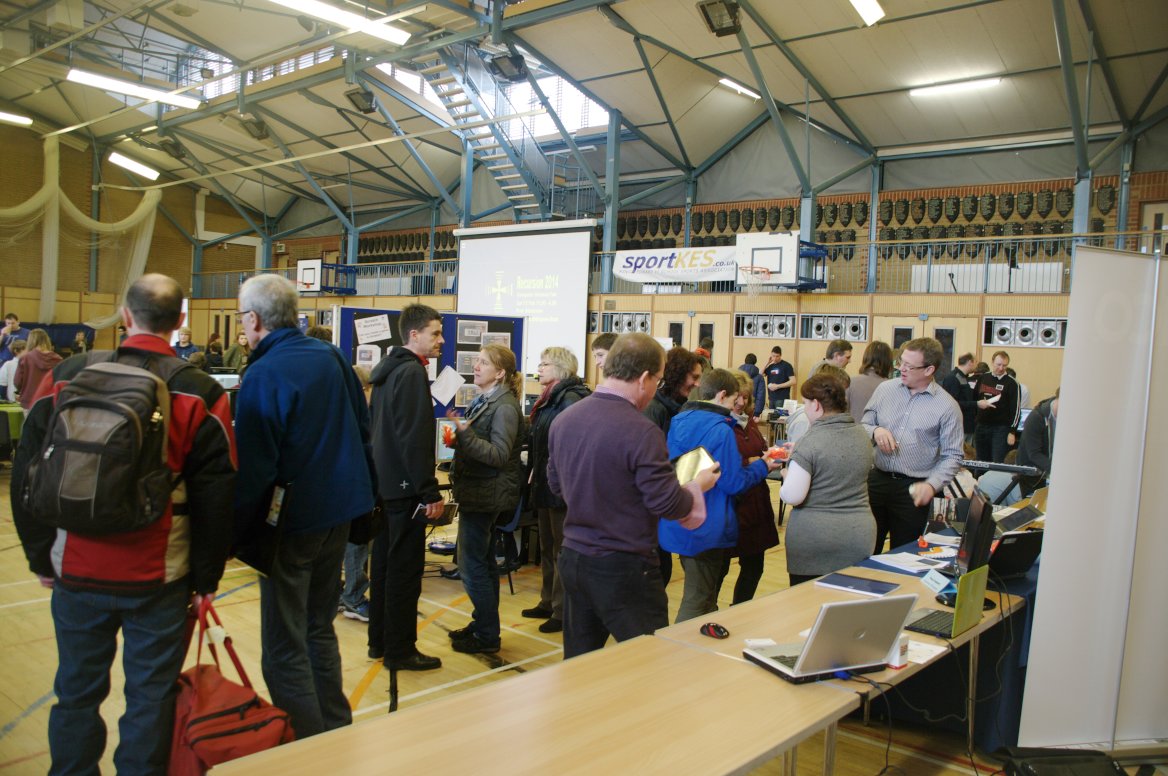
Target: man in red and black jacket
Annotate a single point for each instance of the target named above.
(140, 582)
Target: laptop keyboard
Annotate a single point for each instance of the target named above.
(788, 660)
(935, 623)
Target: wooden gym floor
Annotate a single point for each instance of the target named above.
(27, 643)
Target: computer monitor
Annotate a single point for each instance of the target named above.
(974, 551)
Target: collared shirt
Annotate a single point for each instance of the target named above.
(927, 428)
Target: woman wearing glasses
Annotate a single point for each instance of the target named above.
(561, 389)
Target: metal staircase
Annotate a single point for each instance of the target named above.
(511, 164)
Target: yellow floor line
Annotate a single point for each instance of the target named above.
(375, 669)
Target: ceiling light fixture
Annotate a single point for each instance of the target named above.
(13, 118)
(738, 88)
(350, 21)
(720, 16)
(173, 147)
(954, 88)
(206, 73)
(130, 88)
(509, 67)
(869, 10)
(254, 127)
(129, 164)
(362, 99)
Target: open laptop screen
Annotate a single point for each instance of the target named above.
(974, 550)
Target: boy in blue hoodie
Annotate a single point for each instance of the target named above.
(705, 421)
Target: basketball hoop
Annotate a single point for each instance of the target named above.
(753, 278)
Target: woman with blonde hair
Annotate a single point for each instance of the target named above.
(561, 389)
(37, 362)
(485, 477)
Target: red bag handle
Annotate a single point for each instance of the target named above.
(200, 614)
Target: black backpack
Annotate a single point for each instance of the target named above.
(103, 466)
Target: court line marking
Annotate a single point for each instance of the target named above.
(22, 603)
(457, 682)
(41, 701)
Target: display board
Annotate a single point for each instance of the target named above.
(1097, 673)
(534, 271)
(366, 335)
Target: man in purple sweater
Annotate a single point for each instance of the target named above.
(611, 465)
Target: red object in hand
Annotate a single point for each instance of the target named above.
(922, 542)
(448, 436)
(778, 453)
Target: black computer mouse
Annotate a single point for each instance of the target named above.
(714, 630)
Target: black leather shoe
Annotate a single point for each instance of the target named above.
(552, 626)
(415, 662)
(472, 644)
(376, 654)
(461, 633)
(537, 613)
(451, 573)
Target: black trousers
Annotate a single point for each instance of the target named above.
(395, 581)
(893, 508)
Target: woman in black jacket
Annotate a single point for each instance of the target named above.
(485, 479)
(561, 389)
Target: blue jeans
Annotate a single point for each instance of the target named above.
(992, 443)
(619, 594)
(479, 572)
(87, 624)
(356, 578)
(301, 659)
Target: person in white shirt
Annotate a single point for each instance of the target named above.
(8, 371)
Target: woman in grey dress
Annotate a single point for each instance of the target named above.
(831, 526)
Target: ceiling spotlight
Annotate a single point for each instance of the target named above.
(173, 147)
(509, 67)
(13, 118)
(721, 16)
(869, 10)
(206, 73)
(954, 88)
(308, 24)
(130, 88)
(127, 163)
(362, 99)
(738, 88)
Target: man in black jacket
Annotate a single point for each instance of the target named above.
(403, 453)
(998, 410)
(957, 384)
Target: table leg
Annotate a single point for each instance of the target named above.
(971, 700)
(392, 691)
(790, 761)
(829, 749)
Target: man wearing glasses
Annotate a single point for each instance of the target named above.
(916, 428)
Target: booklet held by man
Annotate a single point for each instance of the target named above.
(687, 465)
(862, 585)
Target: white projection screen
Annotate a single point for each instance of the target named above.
(535, 271)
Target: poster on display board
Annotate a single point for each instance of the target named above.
(366, 335)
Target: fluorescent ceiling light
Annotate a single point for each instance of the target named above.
(869, 10)
(350, 21)
(738, 88)
(131, 88)
(129, 164)
(12, 118)
(954, 88)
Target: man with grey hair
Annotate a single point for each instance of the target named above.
(302, 426)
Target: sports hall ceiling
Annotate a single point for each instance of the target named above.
(654, 61)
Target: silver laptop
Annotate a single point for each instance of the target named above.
(854, 636)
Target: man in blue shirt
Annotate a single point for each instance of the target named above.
(779, 376)
(9, 334)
